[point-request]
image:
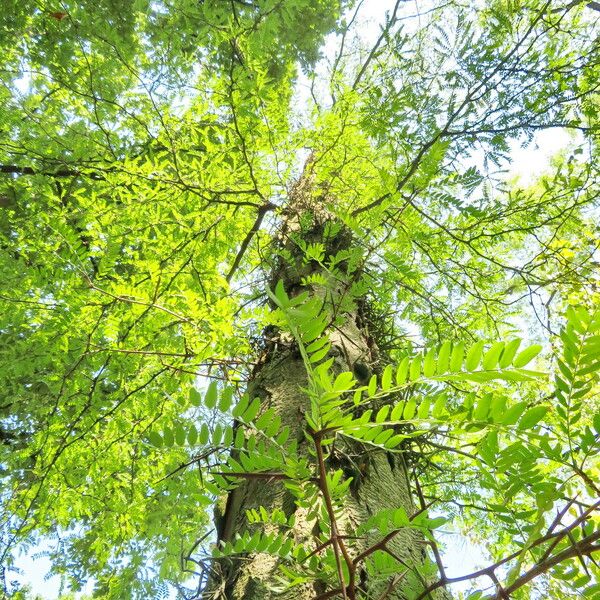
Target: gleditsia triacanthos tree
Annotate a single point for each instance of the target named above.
(324, 352)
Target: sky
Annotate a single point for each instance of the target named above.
(527, 164)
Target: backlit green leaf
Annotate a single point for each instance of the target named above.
(474, 356)
(155, 439)
(527, 355)
(532, 417)
(210, 398)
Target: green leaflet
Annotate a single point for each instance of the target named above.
(211, 395)
(195, 397)
(508, 353)
(474, 356)
(532, 417)
(457, 356)
(527, 355)
(155, 439)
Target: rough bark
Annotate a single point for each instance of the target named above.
(380, 480)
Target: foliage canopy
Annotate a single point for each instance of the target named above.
(148, 152)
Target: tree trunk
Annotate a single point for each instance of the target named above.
(380, 479)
